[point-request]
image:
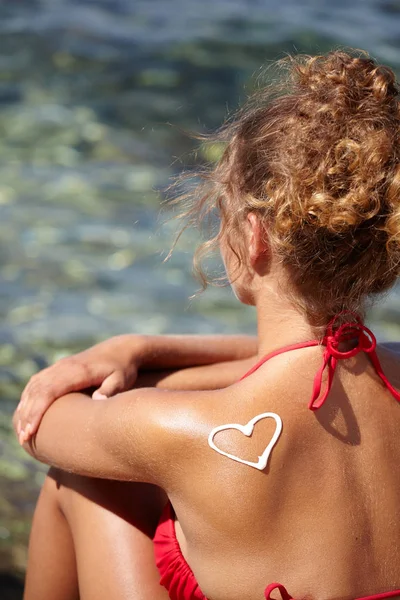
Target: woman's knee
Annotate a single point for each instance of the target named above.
(139, 504)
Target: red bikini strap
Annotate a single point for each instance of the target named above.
(378, 368)
(286, 596)
(335, 335)
(277, 586)
(264, 359)
(366, 342)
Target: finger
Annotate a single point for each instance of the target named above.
(113, 384)
(31, 413)
(52, 383)
(97, 395)
(25, 434)
(39, 396)
(67, 375)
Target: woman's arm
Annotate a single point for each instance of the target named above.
(112, 367)
(135, 436)
(173, 351)
(204, 377)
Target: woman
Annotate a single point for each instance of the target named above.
(260, 488)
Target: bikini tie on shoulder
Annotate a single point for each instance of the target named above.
(352, 329)
(335, 335)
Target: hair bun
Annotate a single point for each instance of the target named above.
(347, 78)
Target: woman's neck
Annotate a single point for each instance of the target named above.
(279, 322)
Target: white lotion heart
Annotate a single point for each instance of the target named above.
(248, 430)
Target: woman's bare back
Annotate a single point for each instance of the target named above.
(324, 516)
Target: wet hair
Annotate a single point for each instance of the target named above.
(317, 156)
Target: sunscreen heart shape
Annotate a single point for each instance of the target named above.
(248, 430)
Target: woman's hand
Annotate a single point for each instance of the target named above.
(110, 366)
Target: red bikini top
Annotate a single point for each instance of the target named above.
(353, 329)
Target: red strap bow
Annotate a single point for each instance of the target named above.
(366, 342)
(352, 329)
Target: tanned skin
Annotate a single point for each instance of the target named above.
(323, 518)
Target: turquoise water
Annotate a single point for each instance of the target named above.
(95, 102)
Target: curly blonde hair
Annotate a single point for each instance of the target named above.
(317, 157)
